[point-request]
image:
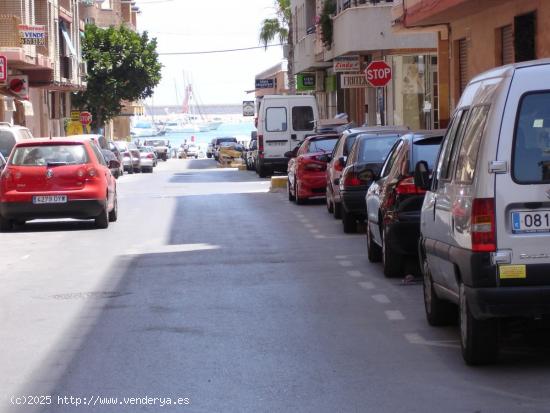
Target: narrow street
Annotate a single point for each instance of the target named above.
(211, 288)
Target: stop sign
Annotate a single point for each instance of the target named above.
(378, 73)
(85, 118)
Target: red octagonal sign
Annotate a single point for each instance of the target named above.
(378, 73)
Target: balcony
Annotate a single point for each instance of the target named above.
(342, 5)
(367, 27)
(305, 54)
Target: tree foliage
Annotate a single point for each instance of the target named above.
(329, 8)
(280, 27)
(122, 66)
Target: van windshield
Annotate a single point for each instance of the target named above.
(7, 142)
(531, 159)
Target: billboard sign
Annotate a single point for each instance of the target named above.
(265, 83)
(351, 63)
(32, 34)
(358, 81)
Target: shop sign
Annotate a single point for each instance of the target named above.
(265, 83)
(75, 115)
(350, 63)
(248, 108)
(378, 73)
(3, 69)
(305, 81)
(353, 81)
(19, 85)
(32, 35)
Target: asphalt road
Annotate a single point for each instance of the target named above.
(213, 290)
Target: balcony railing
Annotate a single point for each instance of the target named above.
(346, 4)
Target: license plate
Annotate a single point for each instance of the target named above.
(49, 199)
(531, 221)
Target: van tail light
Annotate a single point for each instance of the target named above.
(483, 225)
(261, 146)
(406, 186)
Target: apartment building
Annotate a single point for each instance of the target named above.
(362, 32)
(104, 14)
(474, 36)
(41, 41)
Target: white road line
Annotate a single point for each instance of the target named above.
(314, 231)
(309, 225)
(25, 257)
(320, 236)
(381, 298)
(355, 273)
(341, 257)
(345, 263)
(367, 285)
(394, 315)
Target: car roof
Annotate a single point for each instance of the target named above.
(7, 125)
(382, 134)
(49, 141)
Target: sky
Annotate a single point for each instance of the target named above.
(204, 25)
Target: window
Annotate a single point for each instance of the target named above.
(302, 118)
(7, 142)
(449, 145)
(426, 150)
(505, 45)
(276, 120)
(48, 154)
(531, 157)
(394, 153)
(524, 37)
(376, 149)
(322, 145)
(469, 148)
(98, 154)
(462, 65)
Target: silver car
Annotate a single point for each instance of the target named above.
(147, 155)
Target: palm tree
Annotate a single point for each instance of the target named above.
(280, 27)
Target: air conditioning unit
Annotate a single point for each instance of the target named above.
(83, 69)
(319, 81)
(89, 20)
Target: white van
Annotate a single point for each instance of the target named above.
(283, 122)
(485, 224)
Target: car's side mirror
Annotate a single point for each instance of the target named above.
(113, 164)
(422, 175)
(289, 154)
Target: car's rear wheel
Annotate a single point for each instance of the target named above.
(438, 312)
(374, 252)
(391, 260)
(102, 220)
(337, 210)
(113, 214)
(349, 222)
(478, 338)
(291, 197)
(5, 224)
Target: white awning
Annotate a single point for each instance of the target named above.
(67, 39)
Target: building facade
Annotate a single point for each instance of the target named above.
(41, 42)
(362, 33)
(474, 36)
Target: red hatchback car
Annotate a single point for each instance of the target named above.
(57, 178)
(307, 167)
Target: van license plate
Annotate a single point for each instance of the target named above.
(49, 199)
(531, 221)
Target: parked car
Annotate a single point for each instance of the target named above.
(338, 162)
(192, 151)
(210, 149)
(394, 202)
(10, 135)
(162, 147)
(368, 153)
(109, 156)
(57, 178)
(485, 220)
(283, 122)
(130, 156)
(147, 161)
(2, 162)
(307, 167)
(114, 149)
(216, 142)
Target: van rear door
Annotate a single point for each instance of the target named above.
(276, 129)
(303, 118)
(522, 193)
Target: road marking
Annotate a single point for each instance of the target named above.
(320, 236)
(355, 273)
(394, 315)
(25, 257)
(367, 285)
(314, 231)
(415, 338)
(164, 249)
(345, 263)
(309, 225)
(381, 298)
(341, 257)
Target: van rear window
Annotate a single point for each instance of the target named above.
(275, 120)
(7, 142)
(49, 154)
(302, 118)
(531, 157)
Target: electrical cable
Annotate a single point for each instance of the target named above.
(218, 51)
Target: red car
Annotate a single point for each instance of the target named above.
(307, 167)
(57, 178)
